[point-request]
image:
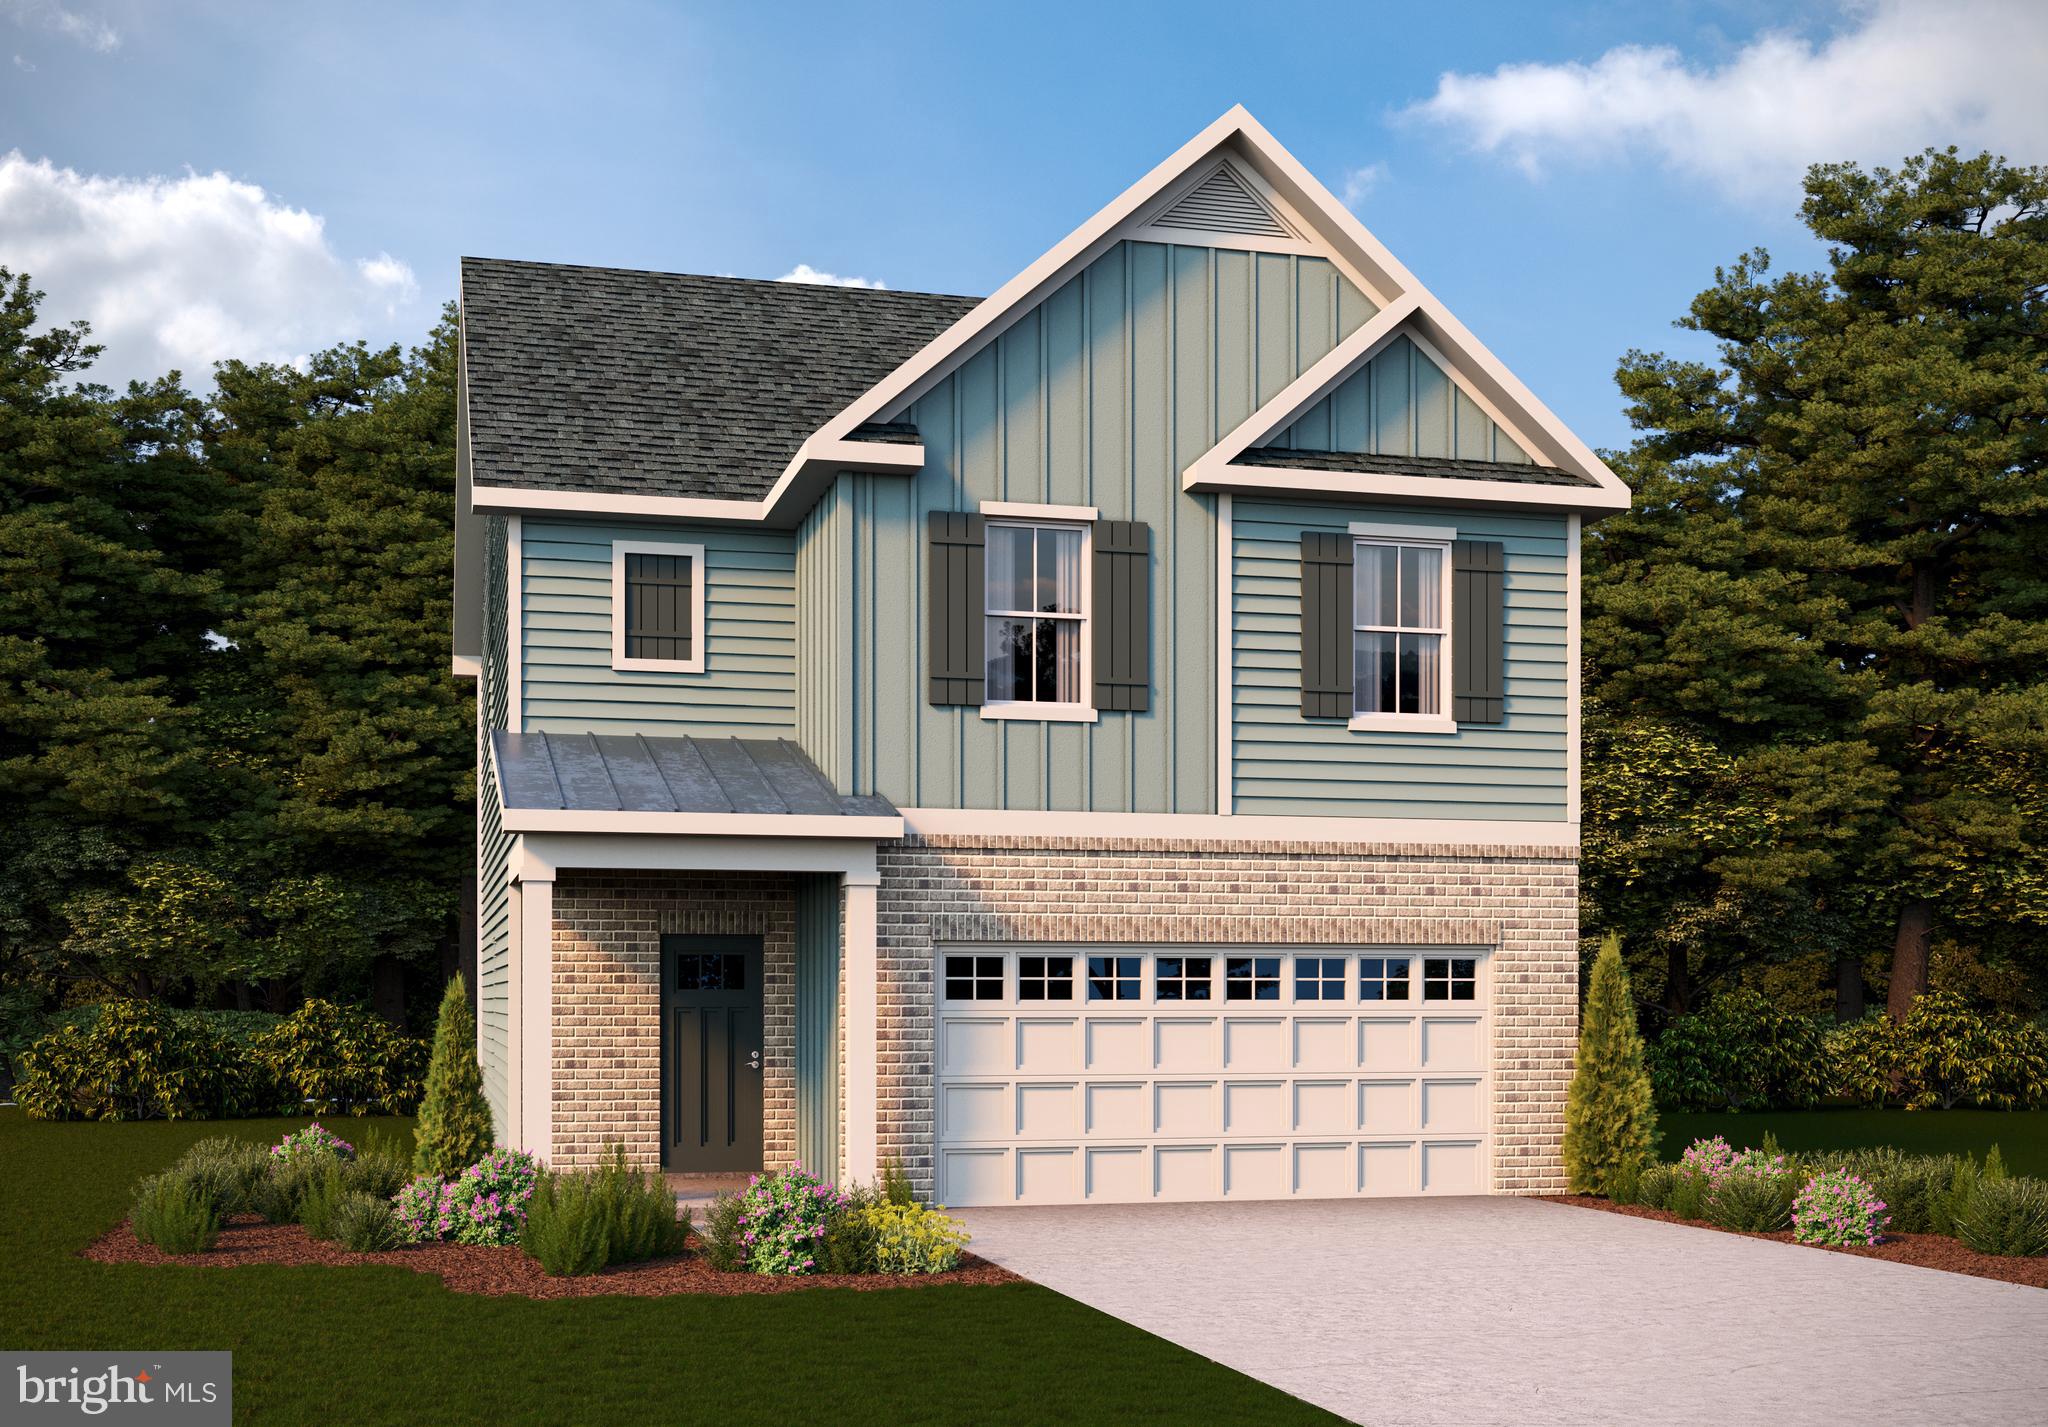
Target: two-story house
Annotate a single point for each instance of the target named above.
(1115, 739)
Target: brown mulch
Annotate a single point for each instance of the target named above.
(1921, 1250)
(467, 1268)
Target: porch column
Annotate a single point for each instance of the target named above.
(535, 1023)
(863, 1041)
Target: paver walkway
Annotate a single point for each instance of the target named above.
(1497, 1310)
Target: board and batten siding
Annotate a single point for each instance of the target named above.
(1401, 403)
(748, 686)
(1283, 764)
(1100, 396)
(494, 844)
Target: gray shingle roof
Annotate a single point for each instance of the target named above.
(1367, 463)
(592, 772)
(604, 379)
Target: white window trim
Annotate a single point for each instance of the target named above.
(1425, 538)
(695, 553)
(1073, 517)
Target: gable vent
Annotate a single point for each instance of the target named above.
(1224, 203)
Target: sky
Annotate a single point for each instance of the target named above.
(211, 178)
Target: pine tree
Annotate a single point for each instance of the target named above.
(455, 1119)
(1610, 1121)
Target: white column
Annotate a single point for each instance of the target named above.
(863, 1041)
(536, 1020)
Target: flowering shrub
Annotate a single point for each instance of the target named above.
(1752, 1193)
(313, 1140)
(910, 1238)
(1709, 1157)
(425, 1209)
(489, 1198)
(1838, 1207)
(783, 1216)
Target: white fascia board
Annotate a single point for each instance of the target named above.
(1562, 837)
(542, 855)
(794, 825)
(1417, 490)
(466, 666)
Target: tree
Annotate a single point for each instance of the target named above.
(1610, 1120)
(1836, 567)
(454, 1129)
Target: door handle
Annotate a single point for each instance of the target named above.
(753, 1060)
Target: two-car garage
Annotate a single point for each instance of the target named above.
(1120, 1074)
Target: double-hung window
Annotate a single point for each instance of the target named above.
(657, 606)
(1400, 631)
(1037, 614)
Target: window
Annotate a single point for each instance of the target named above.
(1037, 623)
(1045, 978)
(1383, 978)
(657, 606)
(1448, 978)
(974, 978)
(711, 971)
(1114, 978)
(1318, 978)
(1399, 614)
(1251, 978)
(1183, 978)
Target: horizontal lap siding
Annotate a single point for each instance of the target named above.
(494, 845)
(748, 687)
(1284, 764)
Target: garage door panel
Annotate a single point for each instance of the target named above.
(1323, 1107)
(1254, 1172)
(975, 1112)
(1386, 1169)
(1186, 1109)
(1255, 1107)
(1450, 1105)
(1049, 1047)
(977, 1045)
(1386, 1043)
(1048, 1176)
(1386, 1107)
(1117, 1111)
(1451, 1168)
(1186, 1044)
(1115, 1175)
(975, 1176)
(1254, 1043)
(1324, 1043)
(1452, 1043)
(1117, 1045)
(1049, 1112)
(1185, 1172)
(1324, 1171)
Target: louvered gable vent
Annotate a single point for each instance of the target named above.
(1224, 203)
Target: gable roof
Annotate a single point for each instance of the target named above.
(583, 379)
(1450, 468)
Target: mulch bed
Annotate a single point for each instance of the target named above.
(466, 1268)
(1921, 1250)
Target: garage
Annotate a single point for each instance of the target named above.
(1126, 1074)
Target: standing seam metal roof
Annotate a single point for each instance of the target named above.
(597, 772)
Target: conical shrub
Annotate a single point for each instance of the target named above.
(455, 1120)
(1610, 1119)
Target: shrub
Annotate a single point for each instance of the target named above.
(231, 1171)
(489, 1198)
(1837, 1207)
(725, 1245)
(135, 1060)
(173, 1212)
(1610, 1119)
(313, 1142)
(425, 1209)
(909, 1238)
(784, 1214)
(1654, 1186)
(377, 1172)
(1950, 1054)
(364, 1223)
(579, 1223)
(1742, 1052)
(343, 1060)
(1944, 1208)
(1754, 1197)
(1863, 1060)
(1916, 1189)
(455, 1119)
(325, 1192)
(895, 1185)
(565, 1228)
(2007, 1217)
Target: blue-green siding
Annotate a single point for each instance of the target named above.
(817, 1024)
(1401, 403)
(1285, 764)
(494, 845)
(748, 687)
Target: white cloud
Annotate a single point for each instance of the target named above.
(1901, 76)
(88, 30)
(1360, 182)
(804, 272)
(183, 272)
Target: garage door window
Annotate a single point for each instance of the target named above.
(1319, 978)
(1045, 978)
(1448, 978)
(1183, 978)
(974, 978)
(1251, 978)
(1382, 978)
(1114, 978)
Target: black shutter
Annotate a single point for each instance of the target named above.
(1122, 616)
(1325, 625)
(659, 606)
(956, 631)
(1478, 645)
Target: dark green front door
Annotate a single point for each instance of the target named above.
(711, 1052)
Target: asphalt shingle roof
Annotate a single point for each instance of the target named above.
(588, 772)
(605, 379)
(1366, 463)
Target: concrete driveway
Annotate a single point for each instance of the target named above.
(1471, 1311)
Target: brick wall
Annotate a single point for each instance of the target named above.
(607, 1002)
(1522, 902)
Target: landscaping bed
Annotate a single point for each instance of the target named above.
(498, 1271)
(1920, 1250)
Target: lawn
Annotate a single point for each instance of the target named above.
(2021, 1135)
(380, 1345)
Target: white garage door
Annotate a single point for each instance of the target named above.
(1095, 1074)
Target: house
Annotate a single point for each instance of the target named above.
(1116, 739)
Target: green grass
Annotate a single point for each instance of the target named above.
(2021, 1135)
(373, 1345)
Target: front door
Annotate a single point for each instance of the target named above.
(711, 1052)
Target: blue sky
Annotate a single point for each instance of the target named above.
(206, 179)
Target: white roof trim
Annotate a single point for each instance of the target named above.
(702, 824)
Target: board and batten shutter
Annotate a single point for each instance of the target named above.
(955, 595)
(1122, 616)
(1325, 625)
(1478, 641)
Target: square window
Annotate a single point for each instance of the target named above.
(974, 978)
(1251, 978)
(1383, 978)
(1114, 978)
(1318, 978)
(1045, 978)
(657, 606)
(1183, 978)
(1449, 978)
